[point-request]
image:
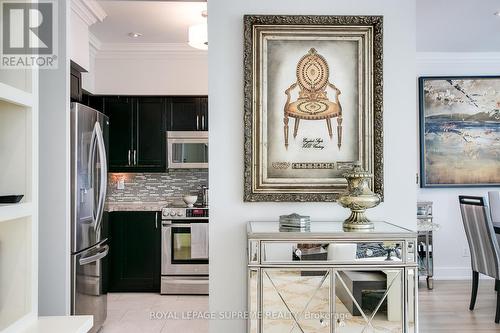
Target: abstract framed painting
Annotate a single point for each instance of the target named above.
(313, 105)
(459, 131)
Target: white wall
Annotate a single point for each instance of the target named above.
(54, 252)
(151, 74)
(229, 213)
(79, 41)
(450, 240)
(88, 78)
(458, 26)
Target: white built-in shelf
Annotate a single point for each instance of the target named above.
(19, 222)
(61, 324)
(15, 211)
(15, 95)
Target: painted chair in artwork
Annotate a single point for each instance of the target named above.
(313, 102)
(483, 245)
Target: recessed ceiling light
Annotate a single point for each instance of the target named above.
(497, 13)
(134, 34)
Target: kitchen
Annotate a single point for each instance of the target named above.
(142, 82)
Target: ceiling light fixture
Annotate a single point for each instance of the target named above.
(198, 35)
(497, 13)
(134, 34)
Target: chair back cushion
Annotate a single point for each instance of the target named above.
(494, 203)
(312, 73)
(485, 254)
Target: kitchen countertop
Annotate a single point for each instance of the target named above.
(132, 206)
(144, 206)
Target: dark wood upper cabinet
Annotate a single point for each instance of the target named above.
(138, 126)
(188, 114)
(96, 102)
(120, 111)
(150, 138)
(204, 112)
(184, 114)
(75, 80)
(135, 251)
(137, 133)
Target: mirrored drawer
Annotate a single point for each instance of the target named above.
(346, 252)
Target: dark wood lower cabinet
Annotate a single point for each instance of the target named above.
(135, 251)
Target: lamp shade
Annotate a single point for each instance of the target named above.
(198, 36)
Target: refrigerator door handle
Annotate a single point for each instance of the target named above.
(88, 260)
(91, 170)
(91, 159)
(104, 176)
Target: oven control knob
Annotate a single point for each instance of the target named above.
(172, 213)
(179, 213)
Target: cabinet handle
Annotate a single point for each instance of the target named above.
(203, 122)
(129, 157)
(135, 157)
(156, 220)
(197, 122)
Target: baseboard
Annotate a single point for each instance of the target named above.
(454, 273)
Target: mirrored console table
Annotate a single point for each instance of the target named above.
(425, 250)
(330, 280)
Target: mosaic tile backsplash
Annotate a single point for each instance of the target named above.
(148, 187)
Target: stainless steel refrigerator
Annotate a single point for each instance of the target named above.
(89, 248)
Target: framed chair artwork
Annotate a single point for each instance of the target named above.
(313, 105)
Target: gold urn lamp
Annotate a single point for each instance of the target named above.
(358, 198)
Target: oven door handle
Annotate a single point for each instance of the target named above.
(179, 225)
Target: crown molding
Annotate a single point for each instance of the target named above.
(88, 10)
(102, 50)
(144, 50)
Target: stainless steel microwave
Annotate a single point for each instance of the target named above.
(187, 149)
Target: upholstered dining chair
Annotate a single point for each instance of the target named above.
(483, 245)
(313, 103)
(494, 203)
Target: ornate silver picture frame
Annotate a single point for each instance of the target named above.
(313, 105)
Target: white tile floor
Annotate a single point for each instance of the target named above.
(131, 313)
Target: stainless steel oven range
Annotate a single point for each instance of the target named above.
(184, 254)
